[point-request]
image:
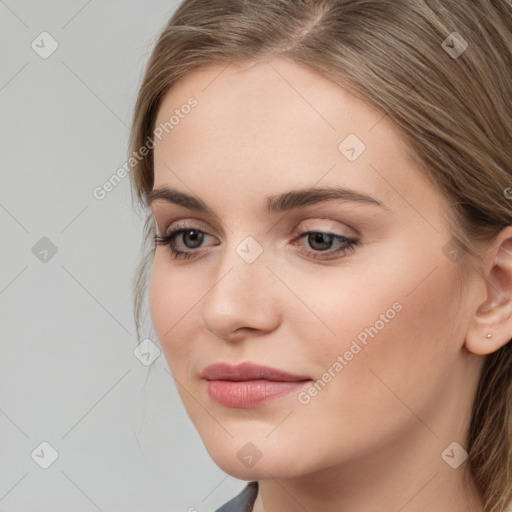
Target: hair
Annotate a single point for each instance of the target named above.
(454, 112)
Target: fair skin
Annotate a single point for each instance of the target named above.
(372, 439)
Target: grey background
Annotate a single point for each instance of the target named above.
(68, 374)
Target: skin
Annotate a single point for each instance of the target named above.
(372, 439)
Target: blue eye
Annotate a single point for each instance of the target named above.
(192, 239)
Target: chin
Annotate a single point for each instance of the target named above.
(260, 471)
(262, 459)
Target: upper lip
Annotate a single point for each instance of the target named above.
(248, 371)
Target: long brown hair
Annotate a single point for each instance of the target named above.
(440, 70)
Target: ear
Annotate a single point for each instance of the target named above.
(494, 313)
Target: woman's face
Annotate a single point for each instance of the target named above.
(365, 311)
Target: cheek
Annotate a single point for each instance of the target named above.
(404, 366)
(397, 338)
(395, 308)
(172, 297)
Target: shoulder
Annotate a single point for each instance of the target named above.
(242, 502)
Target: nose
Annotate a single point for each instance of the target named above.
(243, 299)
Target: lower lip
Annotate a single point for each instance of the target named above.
(250, 393)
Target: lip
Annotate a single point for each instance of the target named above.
(249, 385)
(248, 371)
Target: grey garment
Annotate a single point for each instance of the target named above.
(242, 502)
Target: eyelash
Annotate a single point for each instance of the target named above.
(166, 240)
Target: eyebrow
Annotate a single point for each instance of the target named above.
(287, 201)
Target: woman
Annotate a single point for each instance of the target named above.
(328, 187)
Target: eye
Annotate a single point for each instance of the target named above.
(322, 241)
(196, 237)
(319, 241)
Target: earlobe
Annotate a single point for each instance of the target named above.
(491, 326)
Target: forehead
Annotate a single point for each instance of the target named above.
(275, 124)
(264, 91)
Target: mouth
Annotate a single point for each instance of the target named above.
(249, 385)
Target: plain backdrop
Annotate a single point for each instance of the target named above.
(84, 424)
